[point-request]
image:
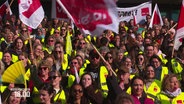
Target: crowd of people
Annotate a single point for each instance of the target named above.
(137, 65)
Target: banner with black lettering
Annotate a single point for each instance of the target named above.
(140, 12)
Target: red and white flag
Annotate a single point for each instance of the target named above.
(156, 18)
(92, 16)
(180, 29)
(31, 12)
(58, 12)
(3, 9)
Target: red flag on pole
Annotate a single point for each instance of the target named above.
(156, 18)
(31, 12)
(92, 16)
(180, 28)
(3, 9)
(58, 12)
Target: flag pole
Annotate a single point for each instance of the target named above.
(11, 3)
(171, 28)
(174, 41)
(100, 55)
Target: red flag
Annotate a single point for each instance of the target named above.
(156, 18)
(3, 9)
(180, 28)
(57, 11)
(31, 12)
(92, 16)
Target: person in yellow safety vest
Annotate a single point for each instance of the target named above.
(177, 67)
(55, 79)
(19, 47)
(160, 70)
(55, 25)
(127, 62)
(7, 59)
(38, 77)
(177, 63)
(60, 58)
(171, 91)
(98, 71)
(158, 52)
(49, 45)
(152, 85)
(8, 42)
(72, 73)
(40, 34)
(27, 64)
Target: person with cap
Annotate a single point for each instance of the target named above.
(98, 71)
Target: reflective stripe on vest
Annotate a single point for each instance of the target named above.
(15, 58)
(164, 60)
(165, 71)
(1, 55)
(176, 100)
(65, 62)
(177, 68)
(103, 75)
(60, 97)
(153, 89)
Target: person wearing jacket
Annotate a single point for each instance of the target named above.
(171, 92)
(137, 91)
(92, 93)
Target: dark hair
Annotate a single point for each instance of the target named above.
(47, 87)
(144, 96)
(155, 56)
(106, 55)
(93, 83)
(137, 77)
(123, 98)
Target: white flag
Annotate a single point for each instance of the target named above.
(180, 29)
(31, 12)
(3, 9)
(92, 16)
(156, 18)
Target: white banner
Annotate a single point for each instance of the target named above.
(140, 12)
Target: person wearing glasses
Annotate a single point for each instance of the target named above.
(39, 76)
(76, 95)
(60, 95)
(160, 70)
(140, 64)
(73, 73)
(109, 58)
(98, 71)
(49, 45)
(60, 58)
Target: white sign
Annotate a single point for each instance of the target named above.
(140, 12)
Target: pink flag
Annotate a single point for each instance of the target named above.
(156, 18)
(3, 9)
(58, 12)
(92, 16)
(31, 12)
(180, 29)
